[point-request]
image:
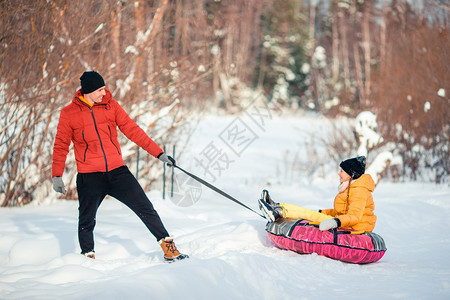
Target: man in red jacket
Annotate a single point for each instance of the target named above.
(91, 122)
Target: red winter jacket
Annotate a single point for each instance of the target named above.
(93, 131)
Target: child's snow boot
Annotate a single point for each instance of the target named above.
(266, 197)
(271, 213)
(171, 253)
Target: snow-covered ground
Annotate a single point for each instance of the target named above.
(231, 255)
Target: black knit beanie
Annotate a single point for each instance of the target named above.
(354, 167)
(91, 81)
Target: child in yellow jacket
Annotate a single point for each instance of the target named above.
(353, 205)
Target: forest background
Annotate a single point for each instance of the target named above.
(185, 57)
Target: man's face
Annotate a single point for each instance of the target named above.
(96, 96)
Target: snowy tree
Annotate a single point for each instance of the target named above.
(369, 139)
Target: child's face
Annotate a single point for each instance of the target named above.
(343, 176)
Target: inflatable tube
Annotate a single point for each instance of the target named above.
(339, 244)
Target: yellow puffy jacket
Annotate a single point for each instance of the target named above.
(354, 207)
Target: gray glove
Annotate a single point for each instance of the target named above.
(328, 224)
(167, 159)
(58, 185)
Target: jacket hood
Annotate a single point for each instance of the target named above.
(106, 99)
(364, 181)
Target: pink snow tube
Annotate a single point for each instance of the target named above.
(303, 238)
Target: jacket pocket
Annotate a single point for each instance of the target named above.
(111, 139)
(87, 146)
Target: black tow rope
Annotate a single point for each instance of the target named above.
(216, 190)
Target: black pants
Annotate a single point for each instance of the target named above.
(122, 185)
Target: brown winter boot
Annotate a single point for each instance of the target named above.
(171, 253)
(90, 254)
